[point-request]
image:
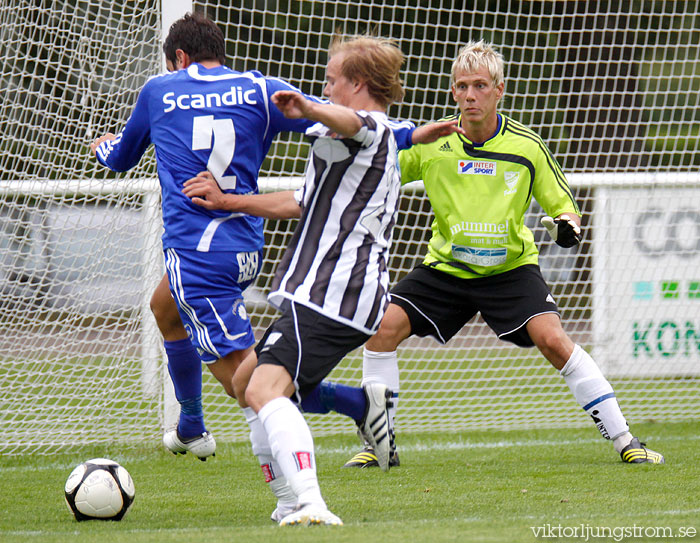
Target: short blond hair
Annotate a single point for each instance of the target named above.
(476, 55)
(373, 60)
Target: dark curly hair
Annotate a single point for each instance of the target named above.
(197, 36)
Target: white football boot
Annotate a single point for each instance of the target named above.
(282, 511)
(201, 446)
(311, 514)
(374, 426)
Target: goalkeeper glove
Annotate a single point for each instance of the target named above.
(564, 231)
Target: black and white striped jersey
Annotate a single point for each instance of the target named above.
(336, 262)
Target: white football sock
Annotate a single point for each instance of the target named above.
(286, 499)
(622, 441)
(378, 367)
(593, 392)
(293, 448)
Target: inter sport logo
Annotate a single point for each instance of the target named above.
(476, 168)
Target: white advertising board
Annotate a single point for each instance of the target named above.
(646, 293)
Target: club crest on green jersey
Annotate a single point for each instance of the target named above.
(511, 179)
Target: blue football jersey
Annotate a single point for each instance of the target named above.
(198, 119)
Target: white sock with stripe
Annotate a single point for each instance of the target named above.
(293, 448)
(286, 499)
(379, 367)
(593, 392)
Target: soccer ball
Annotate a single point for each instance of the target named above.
(99, 489)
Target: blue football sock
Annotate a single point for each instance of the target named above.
(312, 403)
(343, 399)
(185, 368)
(191, 418)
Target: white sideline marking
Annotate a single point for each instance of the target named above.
(420, 447)
(465, 445)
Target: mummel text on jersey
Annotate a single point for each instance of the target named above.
(199, 119)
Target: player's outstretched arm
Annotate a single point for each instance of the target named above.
(342, 120)
(429, 133)
(204, 191)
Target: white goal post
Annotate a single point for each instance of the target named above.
(615, 94)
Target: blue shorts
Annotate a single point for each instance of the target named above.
(208, 290)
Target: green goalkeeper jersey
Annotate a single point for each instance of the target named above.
(480, 194)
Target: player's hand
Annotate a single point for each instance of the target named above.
(97, 141)
(204, 191)
(292, 104)
(563, 230)
(429, 133)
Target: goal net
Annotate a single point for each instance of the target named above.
(614, 93)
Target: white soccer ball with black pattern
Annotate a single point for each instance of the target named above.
(99, 489)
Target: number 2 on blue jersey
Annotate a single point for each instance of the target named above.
(203, 128)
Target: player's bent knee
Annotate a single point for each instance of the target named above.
(383, 342)
(556, 347)
(394, 328)
(253, 398)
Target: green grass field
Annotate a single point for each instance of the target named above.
(467, 486)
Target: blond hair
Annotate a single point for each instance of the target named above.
(373, 60)
(476, 55)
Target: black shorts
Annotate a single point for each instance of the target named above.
(308, 345)
(439, 304)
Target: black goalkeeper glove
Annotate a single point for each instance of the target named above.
(564, 231)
